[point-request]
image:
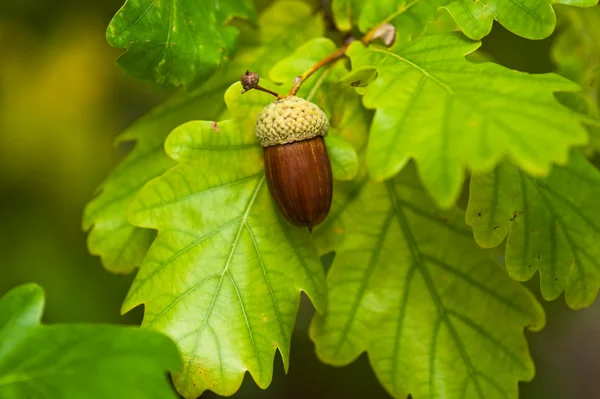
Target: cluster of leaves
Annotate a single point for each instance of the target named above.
(409, 285)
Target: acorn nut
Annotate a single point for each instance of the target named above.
(297, 165)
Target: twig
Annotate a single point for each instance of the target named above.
(336, 55)
(250, 81)
(260, 88)
(318, 83)
(382, 31)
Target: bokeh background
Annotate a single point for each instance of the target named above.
(63, 101)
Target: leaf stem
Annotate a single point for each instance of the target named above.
(373, 34)
(318, 83)
(336, 55)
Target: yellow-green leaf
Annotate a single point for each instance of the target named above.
(224, 276)
(408, 286)
(552, 225)
(450, 114)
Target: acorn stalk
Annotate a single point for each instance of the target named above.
(297, 165)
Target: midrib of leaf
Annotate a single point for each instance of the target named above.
(420, 266)
(243, 223)
(166, 44)
(443, 265)
(554, 220)
(444, 318)
(417, 67)
(226, 271)
(454, 95)
(175, 256)
(262, 266)
(364, 282)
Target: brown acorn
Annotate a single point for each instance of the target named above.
(297, 165)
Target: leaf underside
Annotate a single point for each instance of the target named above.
(551, 223)
(436, 316)
(224, 275)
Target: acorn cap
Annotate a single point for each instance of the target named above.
(290, 119)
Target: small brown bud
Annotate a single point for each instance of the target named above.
(297, 165)
(249, 81)
(386, 33)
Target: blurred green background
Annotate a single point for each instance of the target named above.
(63, 101)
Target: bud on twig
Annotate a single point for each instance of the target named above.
(386, 33)
(249, 81)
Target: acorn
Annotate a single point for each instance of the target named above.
(297, 165)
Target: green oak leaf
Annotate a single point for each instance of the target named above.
(552, 225)
(410, 18)
(74, 361)
(448, 113)
(576, 52)
(121, 245)
(224, 274)
(436, 316)
(533, 19)
(174, 42)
